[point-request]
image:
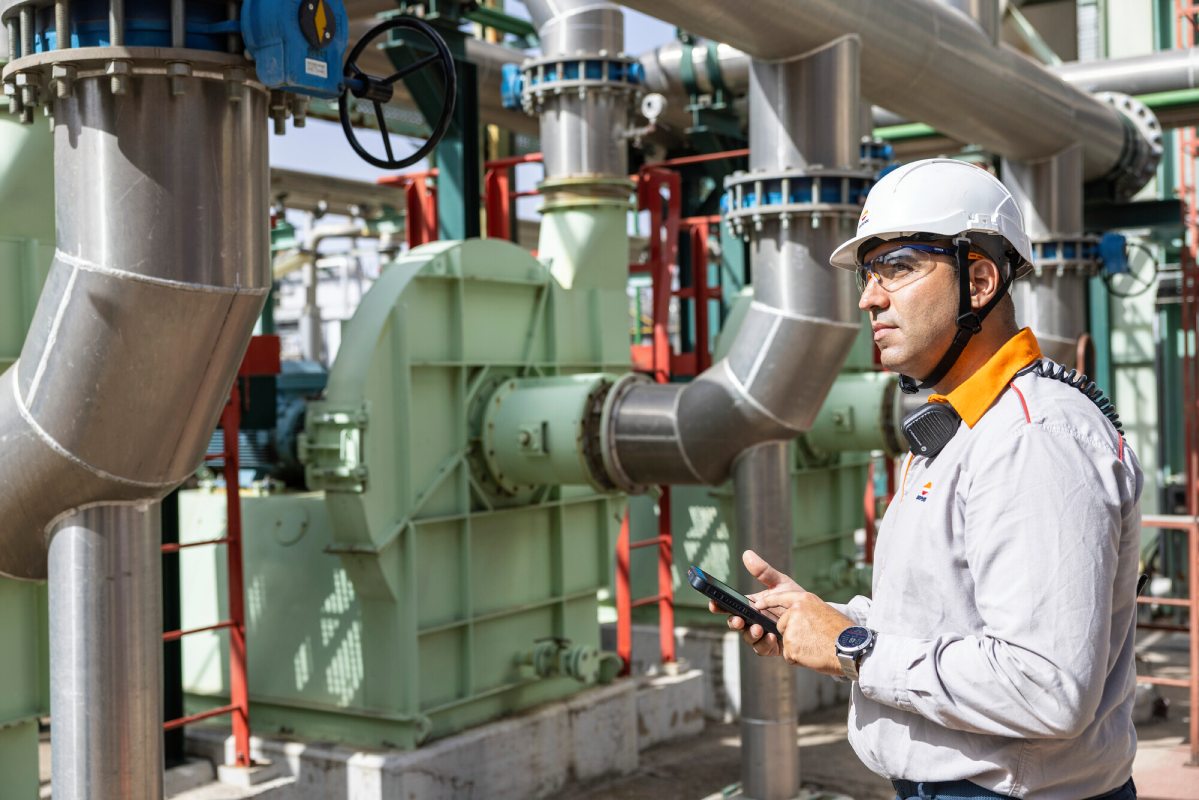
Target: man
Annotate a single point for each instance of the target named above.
(995, 656)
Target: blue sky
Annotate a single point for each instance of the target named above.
(333, 155)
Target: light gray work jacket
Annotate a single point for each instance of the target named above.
(1004, 598)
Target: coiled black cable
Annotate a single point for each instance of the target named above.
(1071, 377)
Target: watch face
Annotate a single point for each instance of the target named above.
(853, 638)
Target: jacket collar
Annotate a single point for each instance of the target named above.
(978, 392)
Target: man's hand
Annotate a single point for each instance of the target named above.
(774, 581)
(810, 628)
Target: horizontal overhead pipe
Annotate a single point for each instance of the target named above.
(932, 63)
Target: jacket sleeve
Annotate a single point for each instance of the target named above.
(1043, 524)
(856, 609)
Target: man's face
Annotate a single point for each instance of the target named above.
(914, 323)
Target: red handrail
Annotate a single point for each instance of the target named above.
(261, 358)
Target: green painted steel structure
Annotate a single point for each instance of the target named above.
(26, 249)
(417, 593)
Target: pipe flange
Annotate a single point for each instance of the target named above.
(62, 70)
(1142, 149)
(1077, 254)
(752, 199)
(586, 191)
(609, 469)
(544, 79)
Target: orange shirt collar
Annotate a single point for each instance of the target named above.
(978, 392)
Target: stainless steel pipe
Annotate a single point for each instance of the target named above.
(804, 316)
(769, 751)
(582, 134)
(106, 654)
(1051, 301)
(934, 64)
(160, 274)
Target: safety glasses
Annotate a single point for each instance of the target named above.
(903, 265)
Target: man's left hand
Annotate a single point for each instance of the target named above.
(809, 627)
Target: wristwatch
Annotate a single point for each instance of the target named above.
(852, 646)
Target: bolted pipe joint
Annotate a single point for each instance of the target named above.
(558, 658)
(1142, 150)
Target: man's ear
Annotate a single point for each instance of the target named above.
(984, 282)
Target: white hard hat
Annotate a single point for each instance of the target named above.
(941, 197)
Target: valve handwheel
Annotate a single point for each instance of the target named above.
(379, 91)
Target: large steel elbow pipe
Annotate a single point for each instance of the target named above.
(692, 433)
(161, 271)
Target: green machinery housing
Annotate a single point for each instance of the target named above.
(418, 590)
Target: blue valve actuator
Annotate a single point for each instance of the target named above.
(1113, 251)
(297, 45)
(511, 84)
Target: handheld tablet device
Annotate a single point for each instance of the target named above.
(729, 599)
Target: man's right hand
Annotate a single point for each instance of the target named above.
(764, 644)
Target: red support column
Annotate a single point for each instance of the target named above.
(665, 579)
(624, 599)
(497, 200)
(239, 693)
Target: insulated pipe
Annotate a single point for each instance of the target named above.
(160, 274)
(769, 752)
(584, 127)
(582, 134)
(1163, 71)
(1052, 301)
(106, 654)
(932, 63)
(804, 316)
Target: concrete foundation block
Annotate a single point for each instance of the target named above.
(262, 771)
(529, 756)
(670, 707)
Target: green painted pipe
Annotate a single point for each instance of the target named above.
(538, 431)
(860, 414)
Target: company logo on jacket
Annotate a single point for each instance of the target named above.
(924, 490)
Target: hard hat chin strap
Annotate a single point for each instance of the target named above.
(969, 321)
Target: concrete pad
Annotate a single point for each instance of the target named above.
(523, 757)
(196, 772)
(670, 707)
(247, 777)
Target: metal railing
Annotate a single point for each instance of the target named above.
(1188, 526)
(262, 358)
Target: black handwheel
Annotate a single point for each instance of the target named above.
(379, 91)
(1138, 279)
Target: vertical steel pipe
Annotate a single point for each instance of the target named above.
(106, 654)
(804, 117)
(769, 751)
(1052, 301)
(136, 338)
(582, 134)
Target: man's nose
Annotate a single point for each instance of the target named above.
(873, 296)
